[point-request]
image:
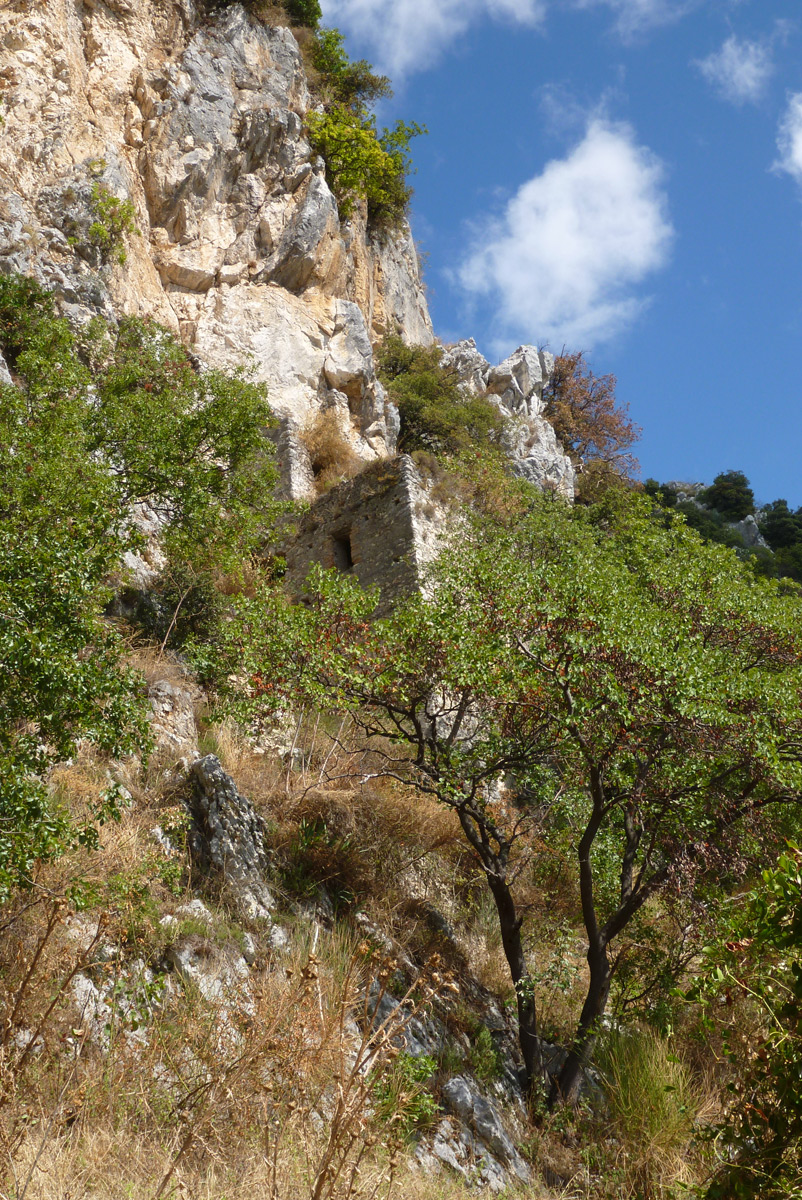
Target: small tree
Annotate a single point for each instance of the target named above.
(436, 414)
(758, 966)
(91, 426)
(625, 680)
(730, 495)
(592, 427)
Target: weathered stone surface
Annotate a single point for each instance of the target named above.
(518, 381)
(397, 301)
(382, 526)
(469, 363)
(173, 717)
(750, 532)
(516, 385)
(199, 124)
(218, 972)
(482, 1117)
(536, 455)
(228, 838)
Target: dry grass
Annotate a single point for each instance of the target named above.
(110, 1165)
(271, 1098)
(155, 664)
(332, 456)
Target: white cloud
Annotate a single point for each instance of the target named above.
(789, 138)
(409, 35)
(740, 70)
(635, 17)
(562, 262)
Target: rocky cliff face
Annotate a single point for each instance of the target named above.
(196, 121)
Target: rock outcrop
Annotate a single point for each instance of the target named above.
(196, 122)
(227, 838)
(516, 385)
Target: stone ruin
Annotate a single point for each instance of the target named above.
(387, 522)
(382, 527)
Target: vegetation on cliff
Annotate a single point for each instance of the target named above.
(585, 731)
(638, 690)
(94, 423)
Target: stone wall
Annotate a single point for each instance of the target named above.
(382, 526)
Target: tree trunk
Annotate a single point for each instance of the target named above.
(566, 1085)
(510, 926)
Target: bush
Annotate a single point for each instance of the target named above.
(436, 414)
(304, 12)
(401, 1096)
(93, 426)
(652, 1102)
(349, 83)
(331, 455)
(780, 527)
(591, 426)
(114, 219)
(361, 162)
(730, 495)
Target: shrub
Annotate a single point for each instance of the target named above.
(304, 12)
(483, 1057)
(780, 527)
(114, 219)
(401, 1096)
(92, 427)
(350, 83)
(730, 495)
(331, 455)
(752, 981)
(361, 162)
(653, 1103)
(436, 414)
(592, 427)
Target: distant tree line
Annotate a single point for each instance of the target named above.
(715, 511)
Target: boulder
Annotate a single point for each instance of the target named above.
(227, 838)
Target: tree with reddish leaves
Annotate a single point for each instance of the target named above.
(596, 431)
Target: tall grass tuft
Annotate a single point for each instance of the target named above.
(653, 1103)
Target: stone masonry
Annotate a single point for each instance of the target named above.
(382, 526)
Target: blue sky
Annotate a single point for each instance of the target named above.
(622, 177)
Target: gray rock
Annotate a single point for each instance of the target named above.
(310, 252)
(218, 972)
(750, 532)
(228, 838)
(482, 1118)
(173, 717)
(516, 386)
(278, 939)
(470, 364)
(518, 381)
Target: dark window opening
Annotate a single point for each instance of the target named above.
(342, 552)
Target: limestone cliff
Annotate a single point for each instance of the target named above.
(196, 121)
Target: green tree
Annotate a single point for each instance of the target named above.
(436, 414)
(304, 12)
(730, 495)
(756, 970)
(354, 84)
(781, 527)
(628, 683)
(362, 162)
(91, 426)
